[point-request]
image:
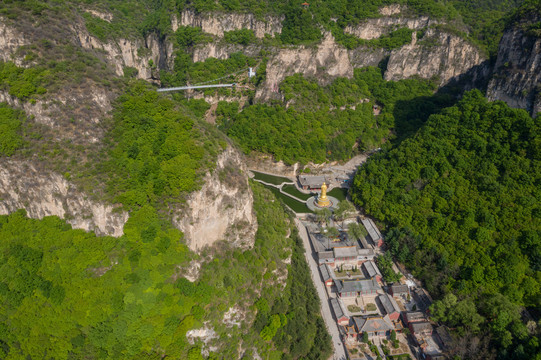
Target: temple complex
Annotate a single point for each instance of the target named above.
(322, 201)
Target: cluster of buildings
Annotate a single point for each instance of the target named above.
(314, 182)
(361, 301)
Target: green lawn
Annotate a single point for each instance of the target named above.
(291, 189)
(371, 307)
(295, 205)
(339, 193)
(271, 179)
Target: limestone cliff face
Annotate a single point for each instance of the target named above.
(439, 54)
(222, 209)
(10, 41)
(217, 23)
(136, 53)
(325, 62)
(374, 28)
(223, 51)
(516, 76)
(42, 193)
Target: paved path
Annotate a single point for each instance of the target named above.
(279, 187)
(332, 326)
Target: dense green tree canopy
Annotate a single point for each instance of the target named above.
(10, 129)
(333, 122)
(461, 200)
(68, 294)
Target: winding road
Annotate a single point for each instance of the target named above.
(332, 326)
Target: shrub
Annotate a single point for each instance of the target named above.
(242, 36)
(10, 129)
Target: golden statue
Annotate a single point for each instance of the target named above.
(323, 200)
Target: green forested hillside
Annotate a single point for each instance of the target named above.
(333, 122)
(460, 198)
(68, 294)
(462, 204)
(156, 151)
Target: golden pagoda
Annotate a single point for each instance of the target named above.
(323, 200)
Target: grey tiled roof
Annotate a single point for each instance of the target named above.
(310, 180)
(337, 309)
(399, 288)
(389, 304)
(372, 229)
(371, 269)
(358, 286)
(414, 316)
(345, 251)
(418, 327)
(373, 324)
(324, 272)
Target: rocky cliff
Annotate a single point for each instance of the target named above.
(145, 55)
(10, 40)
(325, 62)
(374, 28)
(43, 193)
(73, 114)
(222, 209)
(218, 23)
(516, 76)
(438, 55)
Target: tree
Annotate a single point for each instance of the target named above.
(448, 224)
(356, 231)
(323, 216)
(332, 232)
(345, 209)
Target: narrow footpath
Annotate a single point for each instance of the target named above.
(332, 326)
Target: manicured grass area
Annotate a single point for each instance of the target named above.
(291, 189)
(296, 206)
(339, 193)
(371, 307)
(271, 179)
(353, 308)
(351, 272)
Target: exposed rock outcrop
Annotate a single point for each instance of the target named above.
(223, 51)
(73, 113)
(517, 73)
(217, 23)
(43, 193)
(10, 41)
(438, 55)
(106, 16)
(136, 53)
(391, 9)
(222, 209)
(363, 56)
(327, 59)
(374, 28)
